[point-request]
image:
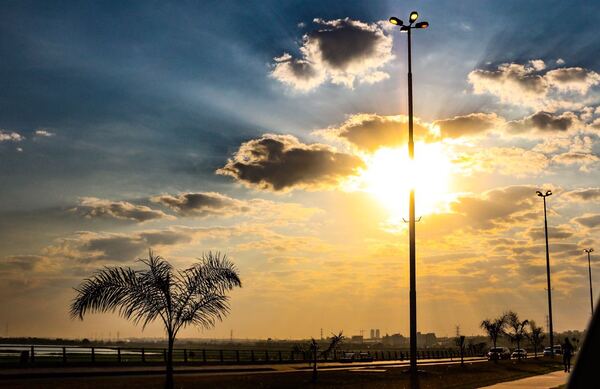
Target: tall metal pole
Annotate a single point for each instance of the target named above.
(548, 278)
(412, 225)
(588, 251)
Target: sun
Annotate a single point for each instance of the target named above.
(390, 175)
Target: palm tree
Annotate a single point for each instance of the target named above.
(518, 329)
(194, 296)
(313, 347)
(494, 328)
(536, 336)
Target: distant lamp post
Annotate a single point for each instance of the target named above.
(411, 224)
(544, 195)
(589, 251)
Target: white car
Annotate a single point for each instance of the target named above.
(519, 354)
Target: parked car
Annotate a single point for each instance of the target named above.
(496, 353)
(356, 357)
(557, 349)
(363, 357)
(519, 353)
(347, 357)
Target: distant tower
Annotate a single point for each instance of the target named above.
(457, 331)
(377, 334)
(373, 333)
(231, 336)
(321, 334)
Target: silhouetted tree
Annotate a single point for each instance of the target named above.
(494, 328)
(517, 329)
(194, 296)
(536, 336)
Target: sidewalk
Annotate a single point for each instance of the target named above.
(544, 381)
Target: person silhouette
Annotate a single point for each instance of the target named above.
(567, 349)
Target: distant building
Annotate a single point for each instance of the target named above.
(356, 339)
(377, 334)
(426, 340)
(395, 340)
(372, 333)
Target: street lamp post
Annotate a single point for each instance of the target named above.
(411, 223)
(544, 195)
(589, 251)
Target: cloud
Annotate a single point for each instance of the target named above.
(509, 161)
(511, 82)
(90, 247)
(584, 194)
(342, 51)
(499, 206)
(544, 122)
(11, 136)
(528, 85)
(202, 204)
(92, 207)
(468, 125)
(575, 79)
(281, 162)
(584, 160)
(368, 132)
(590, 220)
(44, 133)
(560, 232)
(25, 263)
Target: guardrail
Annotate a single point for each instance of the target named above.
(69, 355)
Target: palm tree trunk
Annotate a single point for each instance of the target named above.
(169, 384)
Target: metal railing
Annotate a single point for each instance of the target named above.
(69, 355)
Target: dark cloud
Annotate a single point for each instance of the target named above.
(544, 122)
(496, 207)
(22, 262)
(117, 247)
(342, 50)
(590, 220)
(467, 125)
(92, 207)
(573, 79)
(368, 132)
(281, 162)
(561, 232)
(202, 204)
(584, 194)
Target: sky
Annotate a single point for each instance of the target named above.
(276, 132)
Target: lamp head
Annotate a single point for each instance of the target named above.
(395, 21)
(539, 193)
(548, 193)
(414, 15)
(422, 25)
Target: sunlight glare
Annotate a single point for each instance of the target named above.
(391, 174)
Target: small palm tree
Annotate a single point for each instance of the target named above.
(313, 347)
(536, 336)
(194, 296)
(518, 329)
(494, 328)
